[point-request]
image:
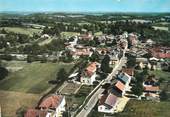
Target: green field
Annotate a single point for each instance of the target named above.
(161, 74)
(79, 97)
(69, 34)
(21, 30)
(33, 78)
(136, 108)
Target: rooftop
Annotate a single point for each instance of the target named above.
(120, 86)
(51, 101)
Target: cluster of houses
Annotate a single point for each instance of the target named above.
(51, 106)
(151, 89)
(88, 75)
(109, 99)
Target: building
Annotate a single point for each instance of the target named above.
(89, 74)
(122, 85)
(35, 113)
(132, 39)
(54, 104)
(129, 71)
(160, 52)
(77, 52)
(51, 106)
(107, 103)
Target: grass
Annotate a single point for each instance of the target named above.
(10, 102)
(161, 74)
(21, 30)
(79, 98)
(160, 28)
(98, 33)
(136, 108)
(69, 34)
(33, 78)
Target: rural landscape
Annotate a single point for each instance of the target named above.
(85, 64)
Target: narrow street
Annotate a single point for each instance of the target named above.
(93, 100)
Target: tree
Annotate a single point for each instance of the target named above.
(94, 57)
(105, 67)
(3, 72)
(131, 61)
(21, 111)
(62, 75)
(163, 95)
(137, 89)
(31, 58)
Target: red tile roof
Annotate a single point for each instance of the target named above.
(160, 52)
(120, 86)
(35, 113)
(84, 52)
(111, 100)
(151, 88)
(91, 68)
(51, 102)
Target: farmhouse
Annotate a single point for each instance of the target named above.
(107, 103)
(52, 106)
(89, 74)
(76, 53)
(55, 103)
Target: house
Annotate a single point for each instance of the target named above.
(89, 74)
(107, 103)
(123, 82)
(45, 36)
(74, 42)
(88, 36)
(124, 77)
(132, 39)
(35, 113)
(150, 42)
(151, 89)
(55, 104)
(129, 71)
(160, 52)
(120, 87)
(76, 53)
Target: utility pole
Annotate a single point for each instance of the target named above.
(0, 111)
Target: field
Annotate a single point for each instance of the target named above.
(76, 100)
(160, 28)
(11, 101)
(33, 78)
(98, 33)
(21, 30)
(136, 108)
(69, 34)
(26, 86)
(161, 74)
(70, 88)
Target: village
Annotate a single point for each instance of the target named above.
(117, 85)
(72, 65)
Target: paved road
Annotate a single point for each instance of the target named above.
(93, 100)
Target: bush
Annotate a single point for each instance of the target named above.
(3, 73)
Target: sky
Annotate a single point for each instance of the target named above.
(85, 5)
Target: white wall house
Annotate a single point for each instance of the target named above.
(89, 74)
(107, 103)
(55, 105)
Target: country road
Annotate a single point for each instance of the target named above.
(93, 100)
